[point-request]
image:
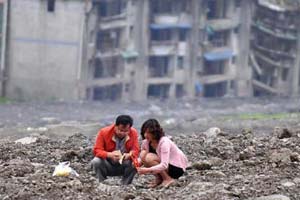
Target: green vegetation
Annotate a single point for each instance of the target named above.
(3, 100)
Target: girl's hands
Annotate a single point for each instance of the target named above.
(143, 170)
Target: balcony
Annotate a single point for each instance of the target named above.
(275, 52)
(275, 6)
(108, 53)
(219, 53)
(113, 24)
(105, 81)
(164, 49)
(170, 19)
(212, 79)
(159, 80)
(222, 24)
(279, 33)
(120, 16)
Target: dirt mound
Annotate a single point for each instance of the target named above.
(223, 166)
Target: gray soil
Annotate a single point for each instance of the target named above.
(253, 155)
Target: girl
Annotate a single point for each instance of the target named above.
(160, 155)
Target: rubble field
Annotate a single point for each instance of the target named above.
(248, 156)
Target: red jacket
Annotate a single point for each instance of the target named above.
(105, 142)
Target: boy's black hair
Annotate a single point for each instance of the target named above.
(124, 120)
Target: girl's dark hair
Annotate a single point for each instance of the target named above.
(153, 127)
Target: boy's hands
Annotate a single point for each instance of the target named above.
(115, 155)
(127, 156)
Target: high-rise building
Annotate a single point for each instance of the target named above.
(275, 48)
(133, 50)
(164, 49)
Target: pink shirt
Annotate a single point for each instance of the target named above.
(169, 153)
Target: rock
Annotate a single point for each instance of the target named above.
(169, 121)
(29, 129)
(42, 129)
(288, 184)
(200, 186)
(281, 156)
(217, 174)
(199, 122)
(129, 196)
(202, 165)
(50, 120)
(282, 133)
(247, 153)
(154, 109)
(239, 177)
(38, 165)
(295, 157)
(215, 161)
(296, 180)
(247, 131)
(212, 132)
(26, 140)
(271, 197)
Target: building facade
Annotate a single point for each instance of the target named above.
(133, 50)
(164, 49)
(45, 45)
(275, 48)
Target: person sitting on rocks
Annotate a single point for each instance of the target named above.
(160, 156)
(116, 145)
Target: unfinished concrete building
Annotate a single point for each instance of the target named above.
(133, 50)
(275, 48)
(163, 49)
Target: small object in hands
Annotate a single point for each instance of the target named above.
(121, 159)
(64, 169)
(135, 162)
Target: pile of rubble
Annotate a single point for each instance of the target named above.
(223, 166)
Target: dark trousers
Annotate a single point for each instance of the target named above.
(107, 167)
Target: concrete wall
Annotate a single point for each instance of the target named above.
(45, 49)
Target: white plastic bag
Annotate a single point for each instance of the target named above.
(64, 169)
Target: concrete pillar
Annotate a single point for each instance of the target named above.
(89, 50)
(295, 70)
(194, 47)
(243, 83)
(202, 38)
(126, 65)
(142, 41)
(3, 63)
(82, 60)
(173, 65)
(230, 14)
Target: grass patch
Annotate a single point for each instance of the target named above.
(263, 116)
(3, 100)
